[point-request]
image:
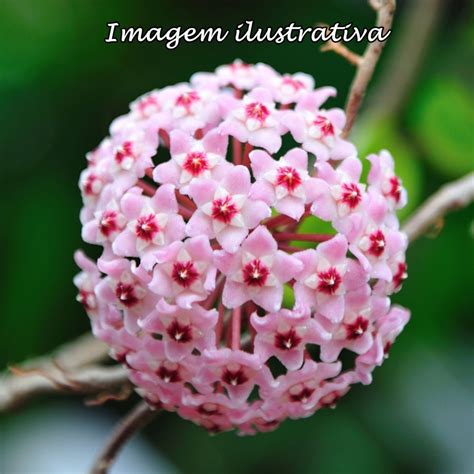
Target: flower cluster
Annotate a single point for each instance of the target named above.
(197, 202)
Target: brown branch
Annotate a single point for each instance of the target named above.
(26, 384)
(71, 368)
(453, 195)
(131, 424)
(343, 51)
(385, 10)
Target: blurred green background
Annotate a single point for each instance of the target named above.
(60, 87)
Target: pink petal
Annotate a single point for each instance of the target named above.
(260, 242)
(164, 199)
(261, 162)
(180, 142)
(267, 138)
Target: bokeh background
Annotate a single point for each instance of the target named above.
(60, 87)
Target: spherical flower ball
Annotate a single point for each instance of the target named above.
(210, 289)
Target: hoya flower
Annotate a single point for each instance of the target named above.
(326, 276)
(185, 271)
(285, 335)
(298, 392)
(226, 210)
(319, 130)
(213, 289)
(182, 330)
(152, 223)
(284, 184)
(255, 120)
(241, 75)
(382, 177)
(193, 159)
(256, 272)
(237, 371)
(338, 192)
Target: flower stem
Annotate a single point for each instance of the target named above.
(235, 342)
(148, 189)
(236, 151)
(246, 160)
(288, 236)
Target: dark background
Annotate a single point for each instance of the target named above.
(60, 87)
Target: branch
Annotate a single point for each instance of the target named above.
(453, 195)
(69, 369)
(385, 10)
(126, 428)
(26, 384)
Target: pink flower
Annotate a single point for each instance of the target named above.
(326, 275)
(318, 130)
(382, 177)
(255, 120)
(152, 223)
(199, 250)
(238, 74)
(289, 88)
(284, 184)
(297, 393)
(256, 272)
(105, 225)
(126, 288)
(184, 271)
(182, 329)
(225, 210)
(193, 159)
(338, 191)
(355, 331)
(237, 371)
(388, 328)
(285, 335)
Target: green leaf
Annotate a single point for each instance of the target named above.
(441, 120)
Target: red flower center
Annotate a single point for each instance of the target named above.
(239, 67)
(108, 223)
(257, 111)
(325, 125)
(255, 273)
(288, 340)
(195, 163)
(377, 243)
(357, 328)
(147, 105)
(295, 83)
(179, 332)
(303, 396)
(184, 273)
(400, 275)
(351, 194)
(288, 177)
(126, 294)
(386, 349)
(329, 281)
(234, 377)
(187, 99)
(124, 151)
(224, 209)
(92, 185)
(395, 188)
(168, 375)
(87, 299)
(146, 227)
